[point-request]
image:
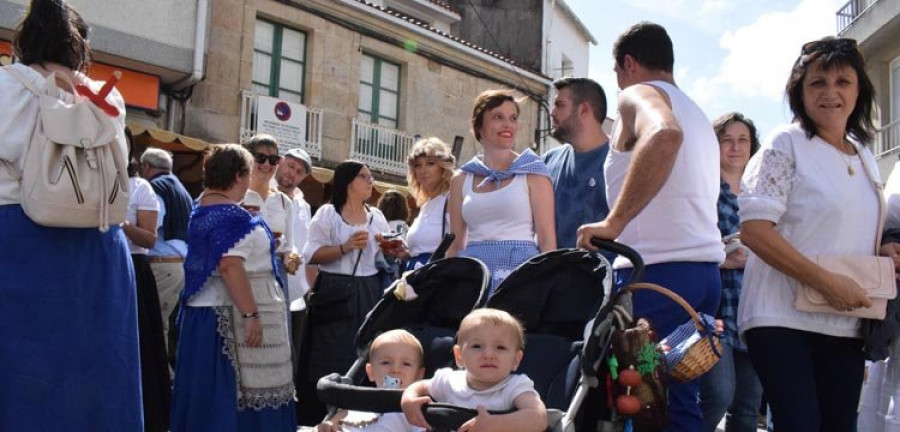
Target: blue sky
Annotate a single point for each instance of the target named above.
(730, 55)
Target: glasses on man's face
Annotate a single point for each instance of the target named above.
(838, 44)
(261, 158)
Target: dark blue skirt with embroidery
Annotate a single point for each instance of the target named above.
(69, 353)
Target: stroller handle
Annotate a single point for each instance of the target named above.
(445, 417)
(595, 347)
(630, 254)
(441, 250)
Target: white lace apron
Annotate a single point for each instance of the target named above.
(264, 374)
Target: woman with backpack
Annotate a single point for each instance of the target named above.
(69, 358)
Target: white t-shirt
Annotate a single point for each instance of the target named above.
(387, 422)
(680, 223)
(802, 185)
(144, 199)
(298, 286)
(276, 210)
(328, 228)
(450, 386)
(18, 116)
(425, 234)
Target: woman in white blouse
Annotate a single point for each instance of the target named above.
(807, 193)
(264, 199)
(343, 241)
(430, 170)
(140, 229)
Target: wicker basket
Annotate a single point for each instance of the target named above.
(703, 354)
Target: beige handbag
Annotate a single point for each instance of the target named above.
(874, 274)
(74, 172)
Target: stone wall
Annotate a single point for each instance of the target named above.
(436, 98)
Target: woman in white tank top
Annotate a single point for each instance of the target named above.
(501, 203)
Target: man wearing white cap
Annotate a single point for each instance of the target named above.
(291, 172)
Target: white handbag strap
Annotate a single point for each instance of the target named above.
(879, 190)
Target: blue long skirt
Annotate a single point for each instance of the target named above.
(205, 393)
(69, 342)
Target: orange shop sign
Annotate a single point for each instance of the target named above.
(139, 90)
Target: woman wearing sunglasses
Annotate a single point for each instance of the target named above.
(807, 192)
(264, 199)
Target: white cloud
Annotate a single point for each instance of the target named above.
(699, 12)
(761, 54)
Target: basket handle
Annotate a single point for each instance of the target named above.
(670, 294)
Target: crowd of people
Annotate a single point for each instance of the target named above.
(222, 312)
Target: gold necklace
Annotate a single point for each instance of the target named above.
(848, 160)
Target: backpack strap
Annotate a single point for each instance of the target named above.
(51, 82)
(13, 171)
(22, 79)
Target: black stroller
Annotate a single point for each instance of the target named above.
(447, 289)
(555, 295)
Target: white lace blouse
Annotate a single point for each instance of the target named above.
(803, 186)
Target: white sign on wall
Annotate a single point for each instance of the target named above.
(286, 121)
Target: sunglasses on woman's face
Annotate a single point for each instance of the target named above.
(261, 158)
(839, 44)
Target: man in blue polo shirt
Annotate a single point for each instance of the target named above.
(576, 167)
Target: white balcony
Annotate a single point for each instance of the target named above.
(313, 142)
(382, 149)
(887, 139)
(850, 11)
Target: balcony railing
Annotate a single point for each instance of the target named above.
(888, 138)
(848, 13)
(382, 149)
(313, 142)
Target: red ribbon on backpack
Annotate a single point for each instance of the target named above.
(99, 98)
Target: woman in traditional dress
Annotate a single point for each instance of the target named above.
(233, 370)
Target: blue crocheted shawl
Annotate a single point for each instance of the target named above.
(526, 163)
(214, 230)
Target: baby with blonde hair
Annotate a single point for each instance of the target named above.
(489, 348)
(396, 360)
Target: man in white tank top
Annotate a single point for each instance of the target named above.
(662, 183)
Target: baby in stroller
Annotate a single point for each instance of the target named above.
(396, 360)
(489, 348)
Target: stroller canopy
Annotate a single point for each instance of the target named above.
(447, 289)
(554, 295)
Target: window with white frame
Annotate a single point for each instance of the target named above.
(379, 91)
(279, 61)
